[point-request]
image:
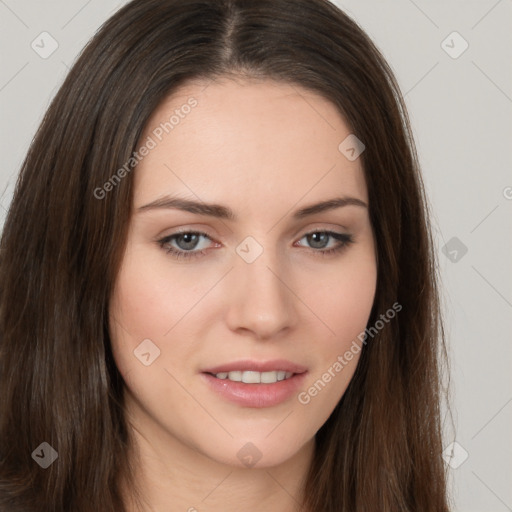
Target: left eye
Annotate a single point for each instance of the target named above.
(320, 239)
(187, 242)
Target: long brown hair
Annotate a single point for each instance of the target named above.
(61, 246)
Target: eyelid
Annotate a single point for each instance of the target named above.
(181, 231)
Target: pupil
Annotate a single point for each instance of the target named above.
(319, 239)
(190, 241)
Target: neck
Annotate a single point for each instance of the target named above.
(172, 476)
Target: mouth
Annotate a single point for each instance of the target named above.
(256, 384)
(252, 377)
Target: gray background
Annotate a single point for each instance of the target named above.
(461, 110)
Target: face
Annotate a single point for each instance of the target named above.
(231, 272)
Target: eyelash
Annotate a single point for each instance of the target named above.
(345, 239)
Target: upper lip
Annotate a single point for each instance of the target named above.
(257, 366)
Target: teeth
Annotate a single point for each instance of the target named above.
(250, 377)
(268, 377)
(235, 376)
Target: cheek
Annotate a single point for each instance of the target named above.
(344, 307)
(152, 301)
(147, 302)
(343, 299)
(139, 311)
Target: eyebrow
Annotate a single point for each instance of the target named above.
(223, 212)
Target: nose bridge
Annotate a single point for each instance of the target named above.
(262, 302)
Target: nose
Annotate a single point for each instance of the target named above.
(263, 302)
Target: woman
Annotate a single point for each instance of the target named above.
(218, 286)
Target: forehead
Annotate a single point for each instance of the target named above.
(247, 140)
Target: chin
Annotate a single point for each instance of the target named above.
(256, 452)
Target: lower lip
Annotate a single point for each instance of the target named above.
(256, 395)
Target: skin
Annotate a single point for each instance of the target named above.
(264, 149)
